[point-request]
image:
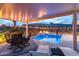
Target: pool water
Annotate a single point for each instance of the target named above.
(52, 38)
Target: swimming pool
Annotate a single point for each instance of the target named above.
(52, 38)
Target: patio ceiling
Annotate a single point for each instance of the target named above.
(35, 11)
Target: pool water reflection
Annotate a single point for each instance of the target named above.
(52, 38)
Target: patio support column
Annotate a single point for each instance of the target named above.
(74, 28)
(27, 29)
(14, 23)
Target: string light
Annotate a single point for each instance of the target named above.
(19, 15)
(22, 19)
(15, 16)
(26, 18)
(12, 14)
(6, 14)
(0, 13)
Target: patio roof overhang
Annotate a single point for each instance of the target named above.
(30, 12)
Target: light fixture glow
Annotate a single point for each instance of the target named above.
(1, 13)
(12, 15)
(26, 18)
(42, 12)
(19, 15)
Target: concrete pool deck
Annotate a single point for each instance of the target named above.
(66, 41)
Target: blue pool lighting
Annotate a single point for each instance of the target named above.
(51, 38)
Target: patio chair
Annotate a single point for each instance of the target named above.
(16, 43)
(18, 40)
(8, 37)
(26, 40)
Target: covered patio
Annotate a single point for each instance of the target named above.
(31, 13)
